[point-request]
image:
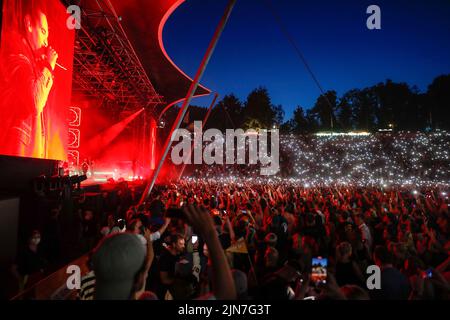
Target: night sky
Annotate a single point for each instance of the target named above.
(413, 46)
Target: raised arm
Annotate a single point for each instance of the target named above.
(222, 280)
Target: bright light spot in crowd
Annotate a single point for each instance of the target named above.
(327, 134)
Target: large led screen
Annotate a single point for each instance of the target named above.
(36, 59)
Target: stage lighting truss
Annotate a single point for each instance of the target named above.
(74, 122)
(105, 63)
(73, 157)
(74, 138)
(75, 117)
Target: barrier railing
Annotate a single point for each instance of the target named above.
(53, 287)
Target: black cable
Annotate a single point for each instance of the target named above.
(232, 122)
(228, 115)
(297, 50)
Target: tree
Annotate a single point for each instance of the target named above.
(324, 109)
(312, 121)
(287, 127)
(438, 96)
(259, 107)
(300, 123)
(279, 114)
(395, 105)
(345, 111)
(227, 114)
(364, 109)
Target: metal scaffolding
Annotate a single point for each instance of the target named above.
(105, 63)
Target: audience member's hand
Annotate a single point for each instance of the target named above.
(332, 287)
(147, 234)
(439, 280)
(302, 286)
(200, 220)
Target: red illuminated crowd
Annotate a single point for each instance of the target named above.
(257, 241)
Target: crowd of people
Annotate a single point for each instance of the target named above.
(403, 158)
(231, 235)
(200, 235)
(243, 241)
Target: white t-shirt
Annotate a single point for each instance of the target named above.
(365, 234)
(153, 237)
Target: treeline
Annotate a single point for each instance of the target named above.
(384, 105)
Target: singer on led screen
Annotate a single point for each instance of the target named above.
(33, 105)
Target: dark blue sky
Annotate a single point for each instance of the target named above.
(413, 46)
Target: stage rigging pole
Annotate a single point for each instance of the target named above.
(189, 96)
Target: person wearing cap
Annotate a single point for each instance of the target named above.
(121, 264)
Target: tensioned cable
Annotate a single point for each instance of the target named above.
(226, 112)
(228, 115)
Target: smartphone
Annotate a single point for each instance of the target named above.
(319, 270)
(429, 273)
(194, 239)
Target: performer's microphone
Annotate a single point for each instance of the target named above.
(44, 57)
(62, 67)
